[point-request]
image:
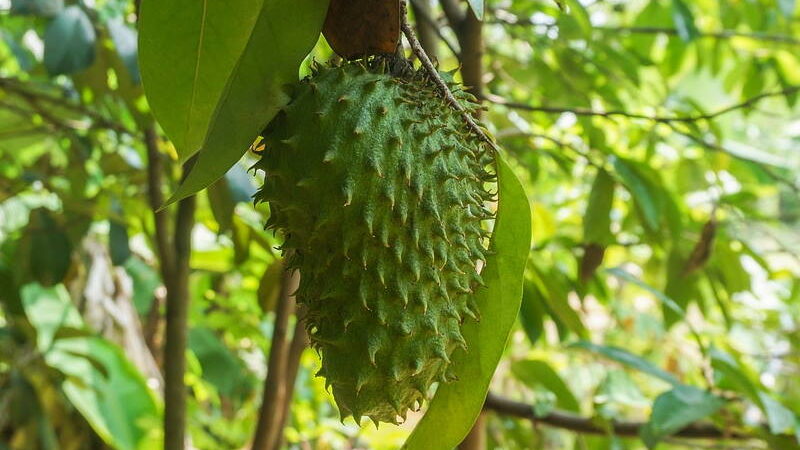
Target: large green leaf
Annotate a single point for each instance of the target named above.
(455, 406)
(100, 381)
(187, 51)
(283, 35)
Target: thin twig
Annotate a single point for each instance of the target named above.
(578, 111)
(34, 98)
(509, 18)
(587, 425)
(416, 47)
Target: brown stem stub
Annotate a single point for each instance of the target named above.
(359, 28)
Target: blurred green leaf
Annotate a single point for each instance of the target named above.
(45, 252)
(125, 42)
(116, 403)
(455, 406)
(221, 367)
(532, 312)
(69, 42)
(675, 409)
(118, 242)
(534, 373)
(145, 281)
(780, 418)
(629, 359)
(477, 7)
(684, 21)
(644, 193)
(46, 8)
(597, 220)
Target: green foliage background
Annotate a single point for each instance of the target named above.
(657, 142)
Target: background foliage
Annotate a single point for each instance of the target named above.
(657, 142)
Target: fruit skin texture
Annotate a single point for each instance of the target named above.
(378, 188)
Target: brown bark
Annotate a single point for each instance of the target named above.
(271, 417)
(299, 344)
(176, 330)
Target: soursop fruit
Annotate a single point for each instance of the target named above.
(379, 189)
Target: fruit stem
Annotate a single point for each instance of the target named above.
(417, 49)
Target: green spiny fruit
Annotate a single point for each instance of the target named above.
(379, 189)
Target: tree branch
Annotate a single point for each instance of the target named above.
(34, 97)
(579, 111)
(568, 421)
(509, 18)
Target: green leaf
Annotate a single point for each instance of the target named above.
(145, 281)
(554, 287)
(662, 297)
(675, 409)
(644, 193)
(235, 187)
(283, 35)
(597, 220)
(125, 42)
(221, 367)
(532, 312)
(45, 251)
(456, 405)
(629, 359)
(187, 51)
(477, 7)
(533, 373)
(684, 21)
(787, 7)
(69, 42)
(45, 8)
(115, 400)
(780, 418)
(581, 16)
(118, 242)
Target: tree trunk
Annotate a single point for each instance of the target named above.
(176, 326)
(269, 430)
